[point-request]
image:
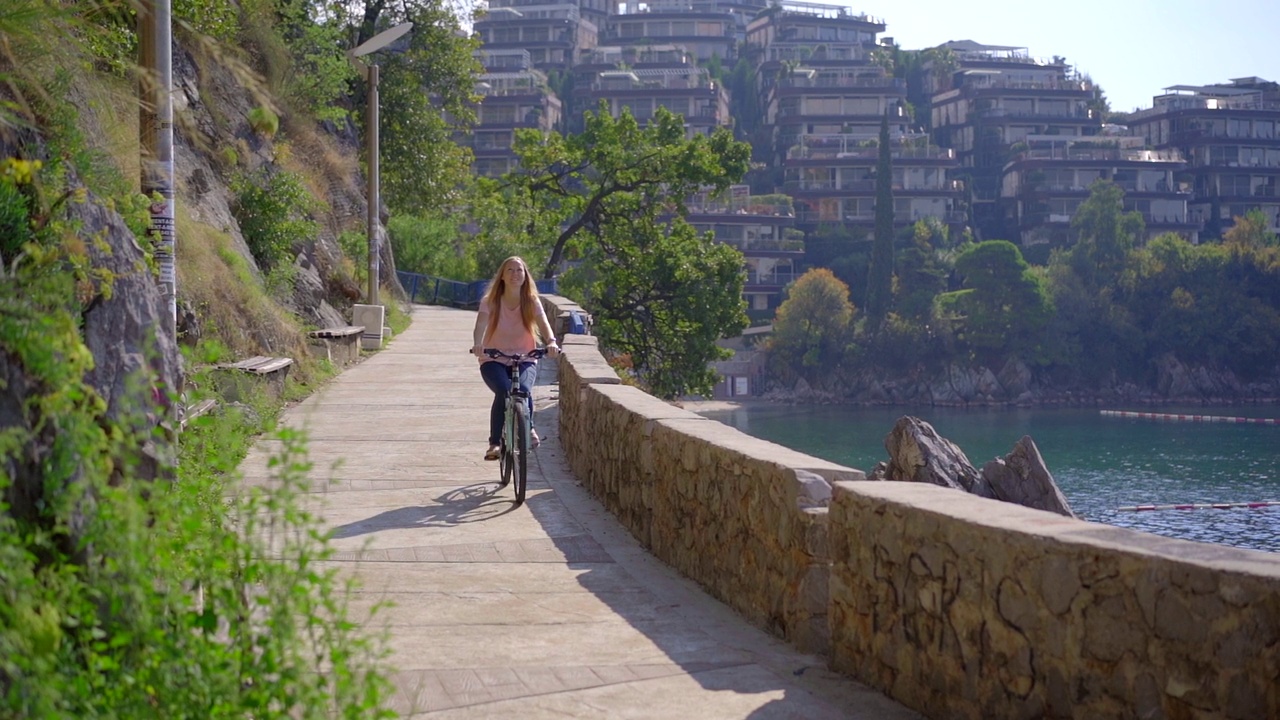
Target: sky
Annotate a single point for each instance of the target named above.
(1131, 48)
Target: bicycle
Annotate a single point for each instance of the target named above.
(517, 425)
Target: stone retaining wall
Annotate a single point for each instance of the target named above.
(743, 517)
(954, 605)
(963, 607)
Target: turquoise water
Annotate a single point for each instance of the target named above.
(1100, 463)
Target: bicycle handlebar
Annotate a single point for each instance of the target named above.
(534, 354)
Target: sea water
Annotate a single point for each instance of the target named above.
(1100, 463)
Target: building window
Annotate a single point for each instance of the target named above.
(822, 106)
(1019, 107)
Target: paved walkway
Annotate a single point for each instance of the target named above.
(549, 610)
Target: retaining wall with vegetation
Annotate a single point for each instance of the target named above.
(954, 605)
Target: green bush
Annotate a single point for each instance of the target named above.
(431, 246)
(273, 209)
(122, 596)
(264, 121)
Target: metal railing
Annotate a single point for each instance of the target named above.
(431, 290)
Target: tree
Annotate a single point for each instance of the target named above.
(613, 199)
(812, 327)
(662, 295)
(582, 183)
(426, 88)
(1106, 234)
(430, 246)
(426, 97)
(922, 270)
(1005, 305)
(1251, 231)
(880, 274)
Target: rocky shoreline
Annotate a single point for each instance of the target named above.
(1015, 385)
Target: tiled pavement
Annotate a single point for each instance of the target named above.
(549, 610)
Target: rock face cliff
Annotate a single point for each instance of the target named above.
(136, 369)
(214, 140)
(1016, 384)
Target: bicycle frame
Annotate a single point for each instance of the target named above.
(517, 425)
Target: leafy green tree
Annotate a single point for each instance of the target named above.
(813, 327)
(1005, 304)
(426, 87)
(430, 246)
(509, 223)
(1212, 304)
(1105, 232)
(1252, 231)
(582, 183)
(427, 97)
(1094, 336)
(846, 251)
(880, 274)
(923, 269)
(600, 198)
(662, 295)
(744, 104)
(274, 209)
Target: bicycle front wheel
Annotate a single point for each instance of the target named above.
(522, 450)
(507, 458)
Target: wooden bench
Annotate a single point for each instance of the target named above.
(230, 378)
(338, 345)
(193, 411)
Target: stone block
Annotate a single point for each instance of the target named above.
(371, 318)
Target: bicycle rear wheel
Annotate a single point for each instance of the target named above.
(522, 449)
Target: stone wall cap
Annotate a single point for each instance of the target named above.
(645, 405)
(589, 366)
(957, 504)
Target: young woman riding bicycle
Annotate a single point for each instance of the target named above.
(510, 314)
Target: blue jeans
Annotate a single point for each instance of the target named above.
(498, 377)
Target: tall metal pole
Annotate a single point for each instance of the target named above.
(155, 129)
(373, 191)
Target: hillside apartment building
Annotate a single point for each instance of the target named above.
(1014, 143)
(825, 99)
(1229, 135)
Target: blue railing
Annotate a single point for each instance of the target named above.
(430, 290)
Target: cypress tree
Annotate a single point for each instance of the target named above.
(880, 272)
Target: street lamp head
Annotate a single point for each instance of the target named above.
(380, 41)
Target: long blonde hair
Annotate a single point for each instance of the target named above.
(498, 287)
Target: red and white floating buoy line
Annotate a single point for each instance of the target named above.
(1203, 506)
(1189, 418)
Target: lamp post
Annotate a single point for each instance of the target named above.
(155, 134)
(370, 72)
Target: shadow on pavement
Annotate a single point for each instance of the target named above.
(467, 504)
(704, 639)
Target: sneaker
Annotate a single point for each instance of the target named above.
(534, 440)
(493, 452)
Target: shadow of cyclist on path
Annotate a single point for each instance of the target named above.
(467, 504)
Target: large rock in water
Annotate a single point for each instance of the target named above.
(1021, 477)
(918, 454)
